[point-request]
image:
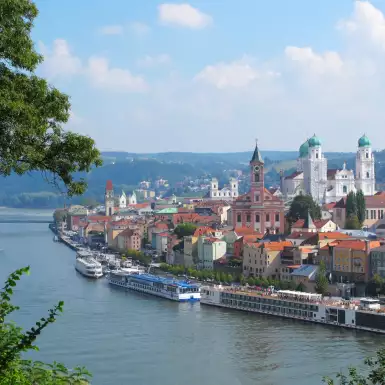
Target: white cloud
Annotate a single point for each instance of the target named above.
(140, 29)
(183, 15)
(59, 61)
(111, 30)
(232, 75)
(366, 22)
(154, 61)
(308, 60)
(116, 79)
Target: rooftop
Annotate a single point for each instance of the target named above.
(166, 281)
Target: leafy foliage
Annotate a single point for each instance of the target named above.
(13, 342)
(375, 376)
(352, 223)
(184, 230)
(355, 210)
(32, 112)
(321, 282)
(301, 206)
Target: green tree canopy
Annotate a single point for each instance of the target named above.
(321, 282)
(361, 206)
(32, 112)
(184, 230)
(352, 223)
(301, 206)
(351, 204)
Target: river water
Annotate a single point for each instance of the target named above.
(130, 338)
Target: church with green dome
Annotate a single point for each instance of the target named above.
(329, 185)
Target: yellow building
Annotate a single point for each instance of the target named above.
(263, 259)
(114, 229)
(350, 260)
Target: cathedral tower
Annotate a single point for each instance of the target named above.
(315, 170)
(365, 176)
(109, 201)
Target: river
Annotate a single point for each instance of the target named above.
(130, 338)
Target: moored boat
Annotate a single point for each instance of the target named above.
(181, 291)
(89, 267)
(363, 314)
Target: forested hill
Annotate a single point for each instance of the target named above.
(126, 170)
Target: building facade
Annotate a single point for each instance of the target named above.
(226, 193)
(258, 209)
(109, 201)
(313, 177)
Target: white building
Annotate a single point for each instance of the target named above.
(325, 186)
(226, 193)
(210, 249)
(132, 199)
(122, 200)
(365, 178)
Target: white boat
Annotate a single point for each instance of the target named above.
(180, 291)
(89, 267)
(362, 314)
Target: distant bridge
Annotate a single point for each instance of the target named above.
(22, 220)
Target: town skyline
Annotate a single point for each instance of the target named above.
(150, 74)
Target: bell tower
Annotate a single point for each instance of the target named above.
(257, 176)
(109, 201)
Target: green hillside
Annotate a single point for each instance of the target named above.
(126, 170)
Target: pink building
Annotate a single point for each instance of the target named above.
(258, 209)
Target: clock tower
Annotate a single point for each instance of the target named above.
(257, 177)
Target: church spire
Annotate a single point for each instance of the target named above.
(256, 155)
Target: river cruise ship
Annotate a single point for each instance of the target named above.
(362, 314)
(181, 291)
(89, 267)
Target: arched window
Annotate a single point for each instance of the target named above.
(367, 174)
(256, 177)
(367, 155)
(239, 218)
(257, 218)
(345, 189)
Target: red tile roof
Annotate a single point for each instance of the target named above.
(375, 201)
(318, 223)
(329, 206)
(332, 235)
(203, 230)
(139, 205)
(98, 218)
(109, 185)
(272, 246)
(355, 244)
(246, 231)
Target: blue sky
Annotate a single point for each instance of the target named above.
(149, 76)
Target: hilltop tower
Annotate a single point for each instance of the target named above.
(109, 201)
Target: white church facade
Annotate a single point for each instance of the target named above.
(325, 186)
(227, 193)
(125, 201)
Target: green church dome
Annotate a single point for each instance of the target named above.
(314, 141)
(304, 149)
(364, 141)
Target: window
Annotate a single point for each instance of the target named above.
(277, 217)
(367, 214)
(257, 218)
(267, 217)
(367, 155)
(248, 218)
(367, 174)
(316, 155)
(257, 197)
(256, 177)
(214, 186)
(344, 189)
(215, 194)
(239, 219)
(233, 185)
